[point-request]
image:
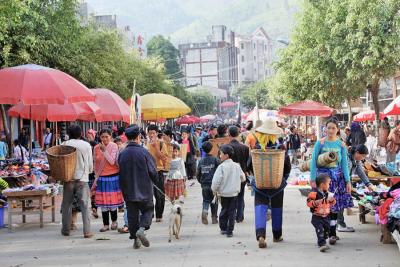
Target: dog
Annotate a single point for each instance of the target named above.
(175, 221)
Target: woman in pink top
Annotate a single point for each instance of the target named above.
(108, 194)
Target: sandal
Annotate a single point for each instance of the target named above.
(123, 230)
(104, 229)
(114, 226)
(94, 213)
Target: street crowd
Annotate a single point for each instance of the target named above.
(138, 170)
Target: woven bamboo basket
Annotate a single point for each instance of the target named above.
(62, 162)
(268, 167)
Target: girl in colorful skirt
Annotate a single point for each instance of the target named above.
(338, 172)
(175, 182)
(108, 194)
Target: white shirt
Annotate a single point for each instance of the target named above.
(227, 179)
(21, 153)
(84, 159)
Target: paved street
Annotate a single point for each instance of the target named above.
(200, 245)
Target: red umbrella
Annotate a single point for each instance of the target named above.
(113, 107)
(187, 119)
(88, 111)
(393, 108)
(367, 116)
(306, 108)
(34, 85)
(227, 104)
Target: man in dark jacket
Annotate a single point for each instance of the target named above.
(294, 144)
(137, 174)
(240, 156)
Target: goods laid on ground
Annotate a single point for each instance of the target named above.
(324, 160)
(62, 161)
(268, 167)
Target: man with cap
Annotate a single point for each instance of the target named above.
(137, 174)
(241, 156)
(211, 134)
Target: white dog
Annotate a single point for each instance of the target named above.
(175, 221)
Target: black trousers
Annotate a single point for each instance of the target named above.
(208, 197)
(321, 225)
(106, 217)
(160, 197)
(140, 214)
(190, 166)
(240, 204)
(227, 215)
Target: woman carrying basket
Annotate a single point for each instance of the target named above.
(338, 172)
(264, 199)
(108, 194)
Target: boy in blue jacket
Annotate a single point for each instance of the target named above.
(205, 172)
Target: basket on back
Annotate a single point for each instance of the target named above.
(62, 162)
(268, 167)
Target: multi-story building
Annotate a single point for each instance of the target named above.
(255, 56)
(212, 63)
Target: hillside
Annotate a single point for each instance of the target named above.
(191, 20)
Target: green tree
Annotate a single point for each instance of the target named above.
(201, 103)
(158, 46)
(339, 49)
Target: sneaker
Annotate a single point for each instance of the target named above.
(137, 243)
(223, 232)
(65, 233)
(142, 236)
(214, 220)
(158, 220)
(261, 242)
(333, 239)
(229, 234)
(277, 240)
(324, 248)
(346, 229)
(204, 216)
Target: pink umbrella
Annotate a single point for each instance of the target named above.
(368, 116)
(187, 119)
(227, 104)
(306, 108)
(113, 107)
(88, 111)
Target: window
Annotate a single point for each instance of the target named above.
(255, 58)
(254, 46)
(242, 58)
(242, 71)
(242, 46)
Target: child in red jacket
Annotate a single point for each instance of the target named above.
(320, 202)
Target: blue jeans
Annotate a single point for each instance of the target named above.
(125, 215)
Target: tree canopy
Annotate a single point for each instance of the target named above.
(340, 48)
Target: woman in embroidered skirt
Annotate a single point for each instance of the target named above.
(108, 194)
(338, 172)
(175, 183)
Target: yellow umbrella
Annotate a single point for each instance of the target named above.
(157, 106)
